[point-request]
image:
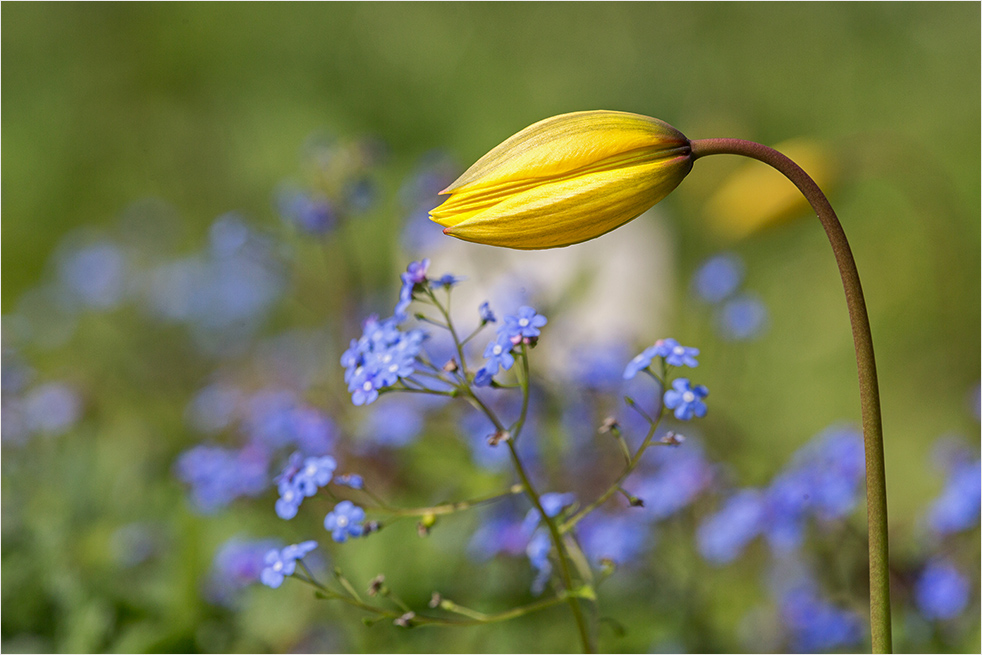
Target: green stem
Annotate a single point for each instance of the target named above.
(523, 382)
(632, 463)
(474, 617)
(447, 508)
(876, 495)
(561, 555)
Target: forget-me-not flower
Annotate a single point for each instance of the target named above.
(344, 521)
(641, 361)
(676, 354)
(941, 592)
(281, 563)
(524, 324)
(686, 400)
(498, 354)
(484, 311)
(415, 274)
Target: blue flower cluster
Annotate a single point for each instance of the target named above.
(524, 326)
(823, 481)
(218, 475)
(271, 419)
(674, 354)
(686, 400)
(223, 293)
(302, 480)
(941, 592)
(378, 359)
(814, 624)
(958, 506)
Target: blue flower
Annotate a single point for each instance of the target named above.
(218, 476)
(640, 362)
(498, 354)
(786, 505)
(415, 274)
(742, 318)
(288, 504)
(52, 408)
(281, 563)
(816, 625)
(682, 475)
(941, 592)
(686, 400)
(621, 537)
(483, 377)
(718, 277)
(957, 508)
(301, 480)
(299, 551)
(447, 280)
(525, 324)
(487, 316)
(277, 418)
(345, 521)
(316, 473)
(95, 275)
(722, 537)
(676, 354)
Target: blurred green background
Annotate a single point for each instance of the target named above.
(205, 106)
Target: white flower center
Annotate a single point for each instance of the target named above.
(342, 521)
(524, 322)
(278, 566)
(496, 350)
(367, 386)
(688, 396)
(679, 350)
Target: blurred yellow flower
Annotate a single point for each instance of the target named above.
(754, 197)
(566, 179)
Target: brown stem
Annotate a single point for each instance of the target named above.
(876, 497)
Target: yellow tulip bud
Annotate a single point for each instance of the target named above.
(565, 180)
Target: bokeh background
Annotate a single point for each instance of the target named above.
(136, 127)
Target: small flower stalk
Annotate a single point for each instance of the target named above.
(565, 180)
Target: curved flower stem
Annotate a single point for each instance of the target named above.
(876, 497)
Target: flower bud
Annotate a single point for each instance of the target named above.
(565, 180)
